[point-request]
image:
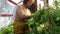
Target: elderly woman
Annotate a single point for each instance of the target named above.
(22, 15)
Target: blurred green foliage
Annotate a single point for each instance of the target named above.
(7, 30)
(39, 22)
(32, 8)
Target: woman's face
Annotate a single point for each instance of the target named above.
(30, 3)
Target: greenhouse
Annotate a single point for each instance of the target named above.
(29, 16)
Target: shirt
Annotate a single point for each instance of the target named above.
(22, 13)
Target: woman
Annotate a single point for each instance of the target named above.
(22, 14)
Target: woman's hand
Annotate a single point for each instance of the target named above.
(32, 14)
